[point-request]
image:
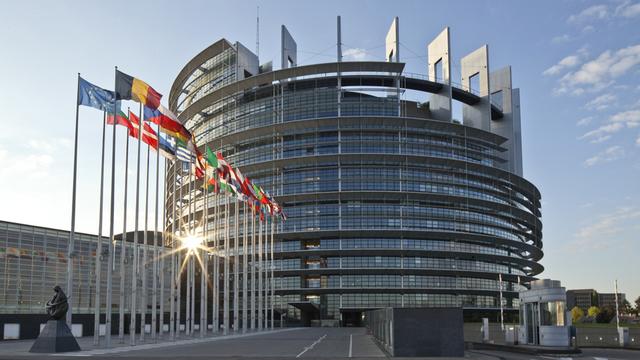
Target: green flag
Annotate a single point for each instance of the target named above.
(212, 159)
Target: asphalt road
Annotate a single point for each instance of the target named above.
(303, 343)
(297, 343)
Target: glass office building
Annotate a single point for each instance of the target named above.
(34, 259)
(391, 201)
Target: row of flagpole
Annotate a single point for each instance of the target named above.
(107, 101)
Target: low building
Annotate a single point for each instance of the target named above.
(586, 298)
(543, 314)
(34, 259)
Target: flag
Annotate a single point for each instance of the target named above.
(168, 122)
(94, 96)
(183, 154)
(120, 119)
(167, 147)
(130, 88)
(148, 135)
(13, 252)
(211, 158)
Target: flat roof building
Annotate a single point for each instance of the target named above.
(33, 259)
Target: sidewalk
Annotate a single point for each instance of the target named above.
(21, 347)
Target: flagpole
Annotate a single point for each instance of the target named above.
(123, 251)
(154, 281)
(96, 315)
(216, 265)
(143, 268)
(192, 224)
(273, 293)
(236, 267)
(205, 261)
(225, 301)
(111, 244)
(135, 270)
(244, 269)
(179, 253)
(72, 232)
(265, 270)
(188, 259)
(172, 318)
(162, 239)
(253, 268)
(260, 286)
(501, 307)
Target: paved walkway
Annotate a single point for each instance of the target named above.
(279, 343)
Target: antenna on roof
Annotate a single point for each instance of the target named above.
(258, 32)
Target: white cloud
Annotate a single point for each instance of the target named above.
(601, 102)
(628, 10)
(600, 72)
(638, 141)
(561, 39)
(596, 12)
(49, 145)
(609, 224)
(566, 63)
(630, 118)
(355, 54)
(610, 154)
(604, 130)
(584, 121)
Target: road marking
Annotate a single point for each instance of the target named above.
(312, 345)
(351, 345)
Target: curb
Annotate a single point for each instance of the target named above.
(519, 349)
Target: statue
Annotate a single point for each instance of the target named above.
(56, 336)
(57, 307)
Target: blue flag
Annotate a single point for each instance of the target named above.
(94, 96)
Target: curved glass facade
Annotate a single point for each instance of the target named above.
(386, 206)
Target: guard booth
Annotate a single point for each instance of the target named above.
(543, 318)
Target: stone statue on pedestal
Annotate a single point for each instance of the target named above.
(56, 336)
(57, 307)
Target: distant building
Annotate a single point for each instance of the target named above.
(33, 259)
(586, 298)
(609, 299)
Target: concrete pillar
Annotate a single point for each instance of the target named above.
(289, 49)
(508, 125)
(477, 64)
(439, 56)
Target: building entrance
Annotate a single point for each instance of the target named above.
(352, 318)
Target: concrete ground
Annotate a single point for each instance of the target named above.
(307, 343)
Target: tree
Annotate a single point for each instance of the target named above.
(593, 311)
(576, 314)
(637, 305)
(626, 308)
(605, 315)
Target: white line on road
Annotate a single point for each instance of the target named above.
(351, 345)
(312, 345)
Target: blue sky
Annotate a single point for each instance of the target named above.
(577, 64)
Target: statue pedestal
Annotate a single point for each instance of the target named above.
(54, 338)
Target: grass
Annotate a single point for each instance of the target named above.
(611, 325)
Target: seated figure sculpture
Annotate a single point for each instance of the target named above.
(57, 307)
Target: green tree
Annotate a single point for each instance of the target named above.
(626, 308)
(593, 311)
(576, 314)
(637, 305)
(605, 315)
